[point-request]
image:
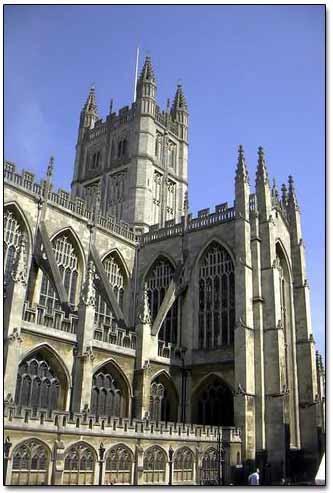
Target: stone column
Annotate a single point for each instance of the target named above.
(138, 474)
(244, 406)
(83, 363)
(58, 463)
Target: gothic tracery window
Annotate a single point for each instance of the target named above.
(118, 466)
(37, 384)
(108, 396)
(12, 235)
(104, 317)
(216, 298)
(157, 194)
(157, 283)
(157, 397)
(210, 465)
(79, 465)
(30, 464)
(214, 404)
(183, 465)
(154, 465)
(68, 264)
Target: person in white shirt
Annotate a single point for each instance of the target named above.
(254, 478)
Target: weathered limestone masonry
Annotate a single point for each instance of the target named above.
(138, 337)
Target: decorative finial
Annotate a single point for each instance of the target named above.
(50, 168)
(242, 173)
(111, 105)
(168, 105)
(284, 196)
(275, 193)
(261, 174)
(291, 192)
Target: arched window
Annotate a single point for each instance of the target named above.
(118, 467)
(41, 382)
(154, 465)
(156, 284)
(213, 404)
(216, 298)
(68, 263)
(30, 464)
(104, 317)
(109, 395)
(163, 399)
(79, 465)
(183, 465)
(210, 467)
(12, 234)
(157, 396)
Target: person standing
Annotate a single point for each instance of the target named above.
(254, 478)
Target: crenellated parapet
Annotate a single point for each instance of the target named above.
(26, 181)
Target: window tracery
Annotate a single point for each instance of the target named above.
(30, 464)
(157, 193)
(156, 284)
(12, 235)
(104, 317)
(79, 465)
(37, 384)
(216, 298)
(118, 467)
(183, 465)
(107, 397)
(154, 465)
(68, 263)
(210, 465)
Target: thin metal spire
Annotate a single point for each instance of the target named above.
(136, 73)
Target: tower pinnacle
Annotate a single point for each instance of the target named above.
(179, 102)
(242, 173)
(261, 174)
(89, 113)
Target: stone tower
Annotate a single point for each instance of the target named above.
(136, 160)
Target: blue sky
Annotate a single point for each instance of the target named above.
(252, 75)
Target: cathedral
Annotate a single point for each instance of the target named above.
(146, 345)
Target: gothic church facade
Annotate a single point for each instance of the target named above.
(139, 340)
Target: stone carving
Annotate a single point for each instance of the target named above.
(144, 316)
(88, 295)
(15, 336)
(89, 353)
(19, 272)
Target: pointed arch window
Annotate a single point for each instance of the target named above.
(183, 465)
(156, 284)
(79, 465)
(119, 465)
(104, 317)
(30, 464)
(108, 394)
(213, 405)
(210, 466)
(37, 384)
(154, 465)
(68, 263)
(216, 318)
(12, 233)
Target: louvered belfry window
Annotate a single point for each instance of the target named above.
(68, 264)
(216, 298)
(157, 283)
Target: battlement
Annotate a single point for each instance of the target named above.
(26, 181)
(205, 219)
(85, 423)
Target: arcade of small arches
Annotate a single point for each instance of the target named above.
(31, 464)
